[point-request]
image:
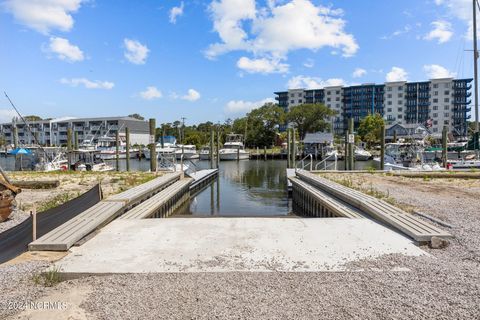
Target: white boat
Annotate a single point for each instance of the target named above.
(108, 150)
(169, 147)
(205, 153)
(189, 151)
(233, 149)
(391, 164)
(362, 154)
(464, 164)
(59, 163)
(330, 153)
(88, 160)
(406, 156)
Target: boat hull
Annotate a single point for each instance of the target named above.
(234, 156)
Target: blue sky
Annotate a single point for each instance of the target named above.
(212, 60)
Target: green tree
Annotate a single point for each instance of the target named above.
(261, 125)
(136, 116)
(369, 129)
(32, 118)
(310, 118)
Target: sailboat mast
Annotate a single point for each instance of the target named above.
(475, 62)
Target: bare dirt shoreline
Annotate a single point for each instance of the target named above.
(445, 287)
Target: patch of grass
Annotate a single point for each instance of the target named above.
(57, 200)
(48, 278)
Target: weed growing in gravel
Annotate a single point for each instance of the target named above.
(57, 200)
(47, 279)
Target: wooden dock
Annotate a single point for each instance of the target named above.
(202, 178)
(66, 235)
(377, 209)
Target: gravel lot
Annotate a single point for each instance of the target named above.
(444, 287)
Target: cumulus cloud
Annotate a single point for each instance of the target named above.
(176, 12)
(303, 82)
(240, 106)
(6, 115)
(397, 74)
(442, 31)
(151, 93)
(262, 65)
(88, 84)
(309, 63)
(435, 71)
(44, 16)
(135, 52)
(460, 9)
(359, 72)
(65, 50)
(277, 29)
(192, 95)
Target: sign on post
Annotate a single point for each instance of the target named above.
(351, 138)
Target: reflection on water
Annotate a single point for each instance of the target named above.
(244, 188)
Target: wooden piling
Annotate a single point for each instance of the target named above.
(75, 140)
(394, 136)
(289, 157)
(351, 150)
(218, 148)
(212, 137)
(69, 147)
(153, 150)
(117, 151)
(444, 146)
(15, 136)
(265, 153)
(127, 149)
(345, 155)
(382, 147)
(294, 149)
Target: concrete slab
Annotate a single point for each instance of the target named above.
(233, 244)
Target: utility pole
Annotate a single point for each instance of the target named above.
(183, 130)
(475, 62)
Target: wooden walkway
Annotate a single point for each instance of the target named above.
(380, 210)
(163, 203)
(316, 203)
(202, 178)
(66, 235)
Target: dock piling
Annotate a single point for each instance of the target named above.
(218, 148)
(153, 150)
(69, 147)
(212, 137)
(117, 151)
(294, 149)
(444, 146)
(351, 145)
(75, 140)
(127, 156)
(289, 158)
(382, 147)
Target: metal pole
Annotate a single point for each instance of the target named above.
(34, 224)
(351, 152)
(162, 141)
(444, 146)
(212, 137)
(117, 151)
(475, 62)
(153, 150)
(382, 147)
(289, 157)
(127, 149)
(345, 156)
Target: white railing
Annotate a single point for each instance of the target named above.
(309, 164)
(329, 164)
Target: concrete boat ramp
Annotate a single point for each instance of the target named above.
(233, 244)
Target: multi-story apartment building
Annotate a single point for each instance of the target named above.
(435, 103)
(54, 132)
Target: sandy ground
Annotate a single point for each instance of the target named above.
(447, 287)
(71, 185)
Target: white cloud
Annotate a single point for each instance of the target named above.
(435, 71)
(192, 95)
(96, 84)
(136, 52)
(176, 12)
(406, 29)
(359, 72)
(397, 74)
(309, 63)
(272, 32)
(303, 82)
(6, 115)
(45, 15)
(442, 31)
(240, 106)
(262, 65)
(65, 50)
(151, 93)
(460, 9)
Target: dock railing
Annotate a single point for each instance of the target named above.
(308, 164)
(327, 165)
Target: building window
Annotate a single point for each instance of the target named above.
(446, 100)
(400, 102)
(389, 88)
(447, 92)
(337, 92)
(447, 85)
(328, 93)
(435, 115)
(446, 107)
(300, 101)
(435, 122)
(389, 95)
(435, 107)
(400, 116)
(446, 122)
(400, 88)
(446, 114)
(435, 100)
(435, 85)
(435, 93)
(400, 109)
(389, 103)
(389, 110)
(292, 101)
(292, 95)
(337, 99)
(400, 95)
(338, 105)
(435, 130)
(329, 99)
